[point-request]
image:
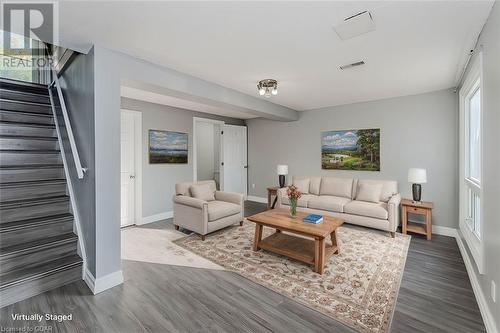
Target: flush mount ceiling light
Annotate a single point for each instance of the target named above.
(268, 87)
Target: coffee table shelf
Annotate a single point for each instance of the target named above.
(309, 246)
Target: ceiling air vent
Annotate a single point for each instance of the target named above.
(354, 64)
(355, 25)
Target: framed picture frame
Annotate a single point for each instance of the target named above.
(356, 149)
(168, 147)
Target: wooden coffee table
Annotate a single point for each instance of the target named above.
(311, 250)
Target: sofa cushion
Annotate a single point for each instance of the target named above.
(302, 202)
(370, 209)
(369, 192)
(339, 187)
(328, 202)
(220, 209)
(202, 192)
(302, 184)
(314, 185)
(389, 187)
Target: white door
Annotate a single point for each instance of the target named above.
(234, 157)
(127, 169)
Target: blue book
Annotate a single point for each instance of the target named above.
(313, 218)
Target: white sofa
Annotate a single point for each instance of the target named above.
(370, 203)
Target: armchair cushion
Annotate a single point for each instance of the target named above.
(188, 201)
(202, 192)
(235, 198)
(219, 209)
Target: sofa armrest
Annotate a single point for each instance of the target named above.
(189, 201)
(393, 208)
(280, 193)
(236, 198)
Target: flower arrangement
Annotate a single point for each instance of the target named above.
(294, 195)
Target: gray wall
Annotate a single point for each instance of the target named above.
(77, 83)
(416, 131)
(490, 45)
(158, 183)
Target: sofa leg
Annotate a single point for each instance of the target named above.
(241, 223)
(202, 237)
(393, 234)
(176, 227)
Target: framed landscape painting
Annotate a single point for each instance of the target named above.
(168, 147)
(351, 150)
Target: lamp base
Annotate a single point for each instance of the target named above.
(417, 192)
(282, 180)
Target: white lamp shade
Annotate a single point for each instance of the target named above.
(282, 169)
(417, 176)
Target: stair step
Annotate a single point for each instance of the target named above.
(24, 283)
(13, 105)
(19, 173)
(24, 96)
(23, 86)
(30, 157)
(35, 229)
(13, 142)
(33, 208)
(26, 117)
(27, 129)
(26, 255)
(32, 189)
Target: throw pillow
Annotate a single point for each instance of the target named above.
(302, 185)
(369, 192)
(202, 192)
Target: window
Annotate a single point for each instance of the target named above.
(471, 161)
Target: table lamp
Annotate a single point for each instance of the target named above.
(417, 177)
(282, 171)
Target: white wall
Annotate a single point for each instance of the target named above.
(489, 44)
(416, 131)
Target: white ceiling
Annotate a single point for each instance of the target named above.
(418, 46)
(163, 99)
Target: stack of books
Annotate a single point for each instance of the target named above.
(313, 218)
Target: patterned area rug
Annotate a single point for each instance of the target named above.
(359, 287)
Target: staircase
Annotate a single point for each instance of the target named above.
(38, 249)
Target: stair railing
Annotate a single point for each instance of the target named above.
(80, 170)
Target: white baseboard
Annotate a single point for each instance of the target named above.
(157, 217)
(444, 231)
(257, 199)
(104, 283)
(488, 319)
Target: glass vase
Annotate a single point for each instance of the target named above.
(293, 208)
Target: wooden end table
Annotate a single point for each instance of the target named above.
(312, 250)
(272, 192)
(420, 208)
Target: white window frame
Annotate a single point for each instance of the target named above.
(472, 82)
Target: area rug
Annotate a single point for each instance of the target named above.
(359, 287)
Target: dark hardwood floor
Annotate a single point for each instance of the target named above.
(435, 296)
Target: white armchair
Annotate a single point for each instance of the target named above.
(205, 215)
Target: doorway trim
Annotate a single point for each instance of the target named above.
(138, 163)
(203, 120)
